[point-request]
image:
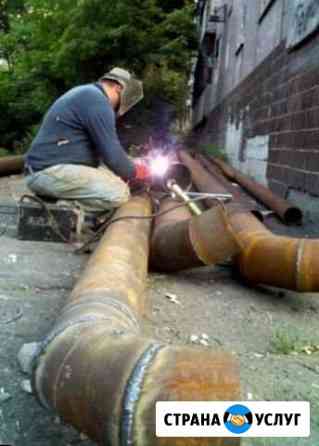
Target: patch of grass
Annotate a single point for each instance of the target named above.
(287, 342)
(284, 343)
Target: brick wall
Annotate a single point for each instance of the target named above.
(279, 99)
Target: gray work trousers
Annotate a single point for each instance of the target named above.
(95, 190)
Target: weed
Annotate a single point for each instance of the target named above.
(286, 342)
(215, 151)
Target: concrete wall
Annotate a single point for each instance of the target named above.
(247, 38)
(263, 104)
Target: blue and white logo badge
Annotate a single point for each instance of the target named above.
(238, 419)
(255, 419)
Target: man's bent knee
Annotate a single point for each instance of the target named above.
(91, 187)
(106, 199)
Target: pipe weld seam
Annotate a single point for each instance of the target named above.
(110, 302)
(133, 391)
(300, 252)
(88, 320)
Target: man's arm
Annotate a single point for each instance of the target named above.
(102, 132)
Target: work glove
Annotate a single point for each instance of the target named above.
(142, 170)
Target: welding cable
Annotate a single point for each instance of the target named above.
(104, 225)
(110, 221)
(55, 225)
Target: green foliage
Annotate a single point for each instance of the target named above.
(4, 152)
(51, 45)
(284, 342)
(215, 151)
(287, 340)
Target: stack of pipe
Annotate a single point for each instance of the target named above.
(202, 179)
(286, 211)
(208, 183)
(238, 195)
(227, 232)
(99, 373)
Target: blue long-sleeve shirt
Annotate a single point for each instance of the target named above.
(79, 128)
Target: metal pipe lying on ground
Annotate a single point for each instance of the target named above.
(180, 242)
(95, 368)
(202, 179)
(216, 172)
(229, 232)
(286, 211)
(282, 262)
(10, 165)
(205, 182)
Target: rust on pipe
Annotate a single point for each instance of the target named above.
(286, 211)
(171, 248)
(213, 169)
(10, 165)
(230, 232)
(96, 369)
(265, 258)
(206, 182)
(238, 196)
(202, 179)
(180, 241)
(227, 170)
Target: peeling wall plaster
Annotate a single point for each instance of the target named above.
(255, 153)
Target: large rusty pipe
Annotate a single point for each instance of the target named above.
(206, 182)
(227, 232)
(286, 211)
(202, 179)
(216, 172)
(180, 242)
(265, 258)
(98, 372)
(10, 165)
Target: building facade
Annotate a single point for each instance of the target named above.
(256, 90)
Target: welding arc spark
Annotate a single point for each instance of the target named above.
(159, 166)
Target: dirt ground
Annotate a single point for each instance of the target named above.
(273, 333)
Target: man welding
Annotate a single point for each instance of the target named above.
(78, 133)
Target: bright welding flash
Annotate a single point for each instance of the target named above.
(159, 166)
